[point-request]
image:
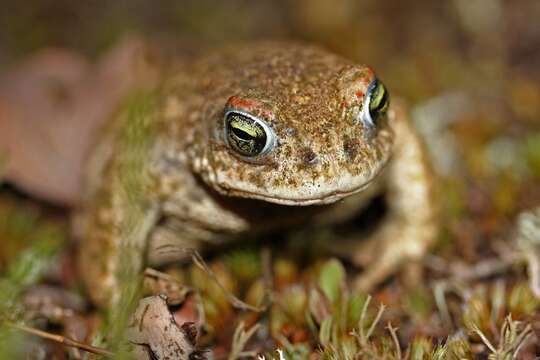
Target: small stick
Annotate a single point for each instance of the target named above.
(237, 303)
(376, 321)
(61, 339)
(362, 319)
(393, 333)
(201, 264)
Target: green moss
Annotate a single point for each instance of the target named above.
(419, 302)
(332, 280)
(24, 271)
(12, 344)
(244, 264)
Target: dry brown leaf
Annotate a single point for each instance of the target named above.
(156, 334)
(52, 106)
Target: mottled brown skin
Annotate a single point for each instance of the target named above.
(196, 189)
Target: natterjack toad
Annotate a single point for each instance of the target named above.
(247, 139)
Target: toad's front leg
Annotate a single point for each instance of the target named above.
(120, 211)
(411, 226)
(114, 232)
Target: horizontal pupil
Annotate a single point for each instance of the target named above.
(242, 134)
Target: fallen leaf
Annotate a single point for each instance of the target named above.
(156, 335)
(51, 109)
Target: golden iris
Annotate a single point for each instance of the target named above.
(379, 100)
(245, 135)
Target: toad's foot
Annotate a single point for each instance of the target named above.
(390, 248)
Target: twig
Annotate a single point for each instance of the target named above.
(376, 321)
(198, 260)
(240, 339)
(485, 340)
(235, 302)
(511, 338)
(363, 318)
(393, 333)
(522, 339)
(61, 339)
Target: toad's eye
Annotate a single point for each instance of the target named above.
(376, 102)
(247, 135)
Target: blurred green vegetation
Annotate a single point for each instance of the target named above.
(41, 241)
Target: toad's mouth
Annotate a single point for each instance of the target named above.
(320, 200)
(297, 198)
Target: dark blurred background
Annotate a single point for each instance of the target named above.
(421, 47)
(469, 70)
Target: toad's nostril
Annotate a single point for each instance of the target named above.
(309, 157)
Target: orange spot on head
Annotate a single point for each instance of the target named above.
(359, 94)
(251, 106)
(239, 103)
